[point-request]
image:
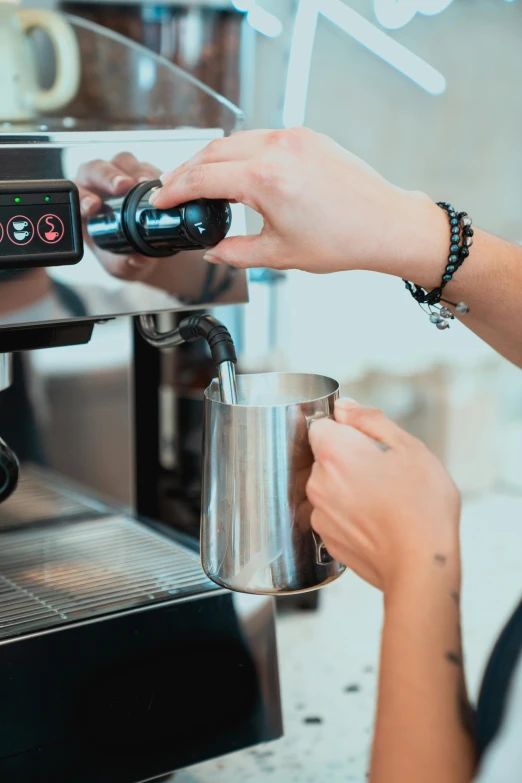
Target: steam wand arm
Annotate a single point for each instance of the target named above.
(193, 328)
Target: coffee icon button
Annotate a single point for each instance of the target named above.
(50, 229)
(20, 230)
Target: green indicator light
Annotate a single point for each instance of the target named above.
(47, 198)
(17, 200)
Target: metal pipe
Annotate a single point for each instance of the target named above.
(228, 383)
(6, 370)
(147, 329)
(193, 328)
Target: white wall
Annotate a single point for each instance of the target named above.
(463, 146)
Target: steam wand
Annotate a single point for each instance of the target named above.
(6, 370)
(193, 328)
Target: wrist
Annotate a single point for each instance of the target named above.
(437, 571)
(426, 257)
(416, 246)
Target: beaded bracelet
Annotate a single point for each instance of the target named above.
(459, 250)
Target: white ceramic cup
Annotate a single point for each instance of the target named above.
(21, 97)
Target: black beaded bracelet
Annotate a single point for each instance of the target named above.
(460, 243)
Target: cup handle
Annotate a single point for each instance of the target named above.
(67, 54)
(9, 471)
(322, 556)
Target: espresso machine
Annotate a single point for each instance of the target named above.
(120, 661)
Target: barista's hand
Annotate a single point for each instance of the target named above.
(384, 513)
(324, 210)
(100, 180)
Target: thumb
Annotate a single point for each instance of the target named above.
(239, 252)
(370, 421)
(323, 434)
(343, 406)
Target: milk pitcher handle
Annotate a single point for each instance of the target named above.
(322, 556)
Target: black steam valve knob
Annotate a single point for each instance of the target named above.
(132, 225)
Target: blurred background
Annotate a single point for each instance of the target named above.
(440, 113)
(429, 94)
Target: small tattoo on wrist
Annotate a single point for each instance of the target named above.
(440, 559)
(454, 658)
(455, 597)
(465, 711)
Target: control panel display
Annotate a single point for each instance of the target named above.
(40, 224)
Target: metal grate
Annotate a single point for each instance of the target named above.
(64, 573)
(38, 501)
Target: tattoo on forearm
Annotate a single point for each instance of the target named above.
(465, 713)
(440, 559)
(454, 658)
(465, 710)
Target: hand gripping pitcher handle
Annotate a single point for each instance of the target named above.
(322, 556)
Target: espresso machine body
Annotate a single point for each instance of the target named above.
(34, 231)
(119, 660)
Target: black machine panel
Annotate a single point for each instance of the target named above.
(40, 224)
(136, 696)
(119, 660)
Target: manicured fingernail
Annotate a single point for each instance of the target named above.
(166, 176)
(212, 259)
(153, 196)
(343, 407)
(87, 204)
(119, 181)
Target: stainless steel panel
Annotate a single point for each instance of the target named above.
(104, 285)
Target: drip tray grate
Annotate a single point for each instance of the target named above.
(63, 573)
(39, 501)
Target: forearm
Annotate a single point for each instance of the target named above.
(490, 281)
(424, 724)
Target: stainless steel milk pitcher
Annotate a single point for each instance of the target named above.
(256, 534)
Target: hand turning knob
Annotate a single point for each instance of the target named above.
(132, 225)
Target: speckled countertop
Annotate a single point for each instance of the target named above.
(328, 660)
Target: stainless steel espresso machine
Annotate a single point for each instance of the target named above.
(119, 660)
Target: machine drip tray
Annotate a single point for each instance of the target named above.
(59, 574)
(39, 500)
(113, 644)
(65, 558)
